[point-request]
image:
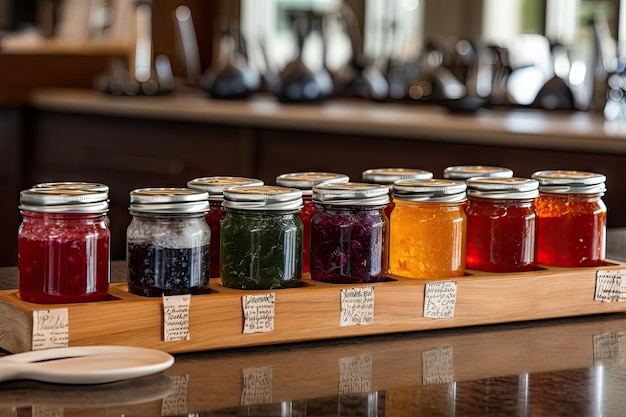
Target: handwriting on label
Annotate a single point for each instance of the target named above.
(440, 299)
(357, 306)
(355, 374)
(609, 348)
(610, 286)
(175, 404)
(258, 313)
(437, 366)
(257, 385)
(50, 329)
(176, 317)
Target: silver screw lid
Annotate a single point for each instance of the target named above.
(66, 197)
(570, 182)
(351, 193)
(306, 180)
(515, 188)
(169, 201)
(463, 172)
(433, 190)
(390, 175)
(262, 198)
(216, 185)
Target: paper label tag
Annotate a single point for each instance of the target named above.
(258, 313)
(175, 404)
(257, 385)
(357, 306)
(176, 317)
(355, 374)
(437, 366)
(609, 348)
(440, 299)
(51, 329)
(610, 286)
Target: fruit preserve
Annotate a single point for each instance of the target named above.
(215, 186)
(387, 176)
(571, 218)
(305, 181)
(63, 243)
(501, 224)
(168, 242)
(349, 233)
(261, 238)
(428, 229)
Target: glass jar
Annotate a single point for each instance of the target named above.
(463, 172)
(387, 176)
(571, 218)
(349, 233)
(64, 243)
(304, 181)
(215, 186)
(168, 242)
(261, 238)
(428, 229)
(501, 224)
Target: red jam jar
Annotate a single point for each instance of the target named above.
(304, 181)
(463, 172)
(501, 224)
(387, 176)
(64, 243)
(349, 233)
(215, 186)
(571, 218)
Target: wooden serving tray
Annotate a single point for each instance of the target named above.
(312, 311)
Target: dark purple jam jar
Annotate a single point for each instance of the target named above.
(349, 233)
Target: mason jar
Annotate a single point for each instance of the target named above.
(428, 229)
(168, 242)
(349, 233)
(64, 243)
(571, 218)
(215, 186)
(261, 238)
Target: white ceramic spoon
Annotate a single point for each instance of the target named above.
(84, 364)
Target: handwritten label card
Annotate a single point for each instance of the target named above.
(258, 313)
(440, 299)
(357, 306)
(609, 348)
(257, 385)
(175, 404)
(610, 286)
(176, 317)
(355, 374)
(51, 329)
(437, 366)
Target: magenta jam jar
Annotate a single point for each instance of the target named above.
(64, 243)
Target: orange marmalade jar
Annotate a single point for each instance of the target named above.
(571, 218)
(428, 229)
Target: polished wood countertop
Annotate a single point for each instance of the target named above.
(574, 131)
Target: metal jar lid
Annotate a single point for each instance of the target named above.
(66, 197)
(306, 180)
(514, 188)
(463, 172)
(433, 190)
(169, 201)
(262, 198)
(570, 182)
(391, 175)
(215, 186)
(351, 193)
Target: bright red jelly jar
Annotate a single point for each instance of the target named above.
(571, 218)
(63, 244)
(501, 224)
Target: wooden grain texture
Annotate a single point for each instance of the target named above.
(312, 311)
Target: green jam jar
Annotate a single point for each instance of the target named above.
(261, 238)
